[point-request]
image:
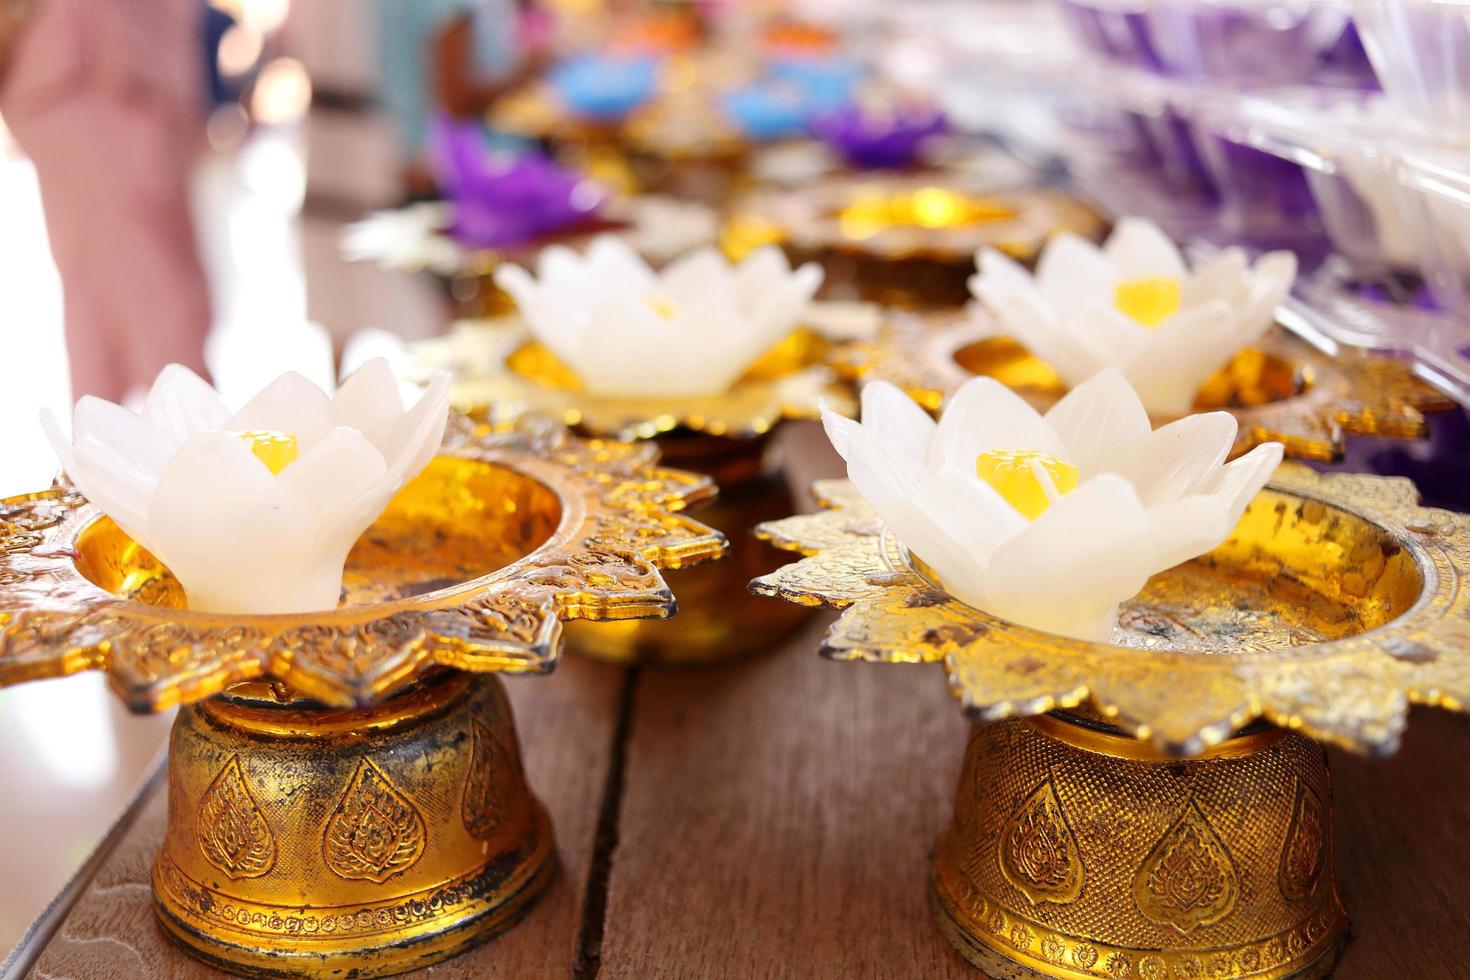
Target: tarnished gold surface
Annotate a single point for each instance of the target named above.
(1336, 602)
(307, 841)
(473, 565)
(501, 372)
(1072, 856)
(872, 237)
(1283, 390)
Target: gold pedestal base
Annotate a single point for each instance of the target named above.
(718, 618)
(305, 841)
(1076, 852)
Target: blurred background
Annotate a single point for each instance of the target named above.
(240, 185)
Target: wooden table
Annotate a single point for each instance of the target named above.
(773, 817)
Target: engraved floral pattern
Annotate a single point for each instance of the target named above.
(1188, 879)
(484, 806)
(233, 833)
(1038, 853)
(1305, 851)
(375, 832)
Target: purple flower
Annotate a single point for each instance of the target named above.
(500, 199)
(873, 141)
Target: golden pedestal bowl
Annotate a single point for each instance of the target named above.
(307, 841)
(500, 372)
(1281, 390)
(346, 794)
(904, 240)
(1156, 807)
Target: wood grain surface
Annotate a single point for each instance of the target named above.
(771, 818)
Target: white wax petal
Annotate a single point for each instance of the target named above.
(1139, 249)
(1223, 277)
(691, 331)
(897, 419)
(1073, 275)
(419, 433)
(183, 403)
(368, 401)
(1174, 460)
(342, 485)
(1095, 418)
(236, 541)
(1076, 561)
(984, 415)
(292, 404)
(1147, 500)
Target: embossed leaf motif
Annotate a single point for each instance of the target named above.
(1189, 878)
(1305, 852)
(1038, 853)
(486, 805)
(375, 832)
(232, 831)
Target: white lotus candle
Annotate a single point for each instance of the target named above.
(690, 330)
(255, 511)
(1135, 306)
(1048, 521)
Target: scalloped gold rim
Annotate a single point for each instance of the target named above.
(1353, 691)
(806, 218)
(619, 525)
(1356, 393)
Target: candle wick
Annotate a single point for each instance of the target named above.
(1044, 480)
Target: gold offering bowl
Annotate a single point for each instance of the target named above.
(1156, 807)
(678, 143)
(904, 240)
(1281, 390)
(346, 796)
(501, 373)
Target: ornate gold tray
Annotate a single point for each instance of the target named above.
(1125, 810)
(345, 788)
(500, 373)
(904, 239)
(1282, 390)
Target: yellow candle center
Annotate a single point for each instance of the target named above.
(277, 450)
(1149, 301)
(663, 306)
(928, 207)
(1028, 480)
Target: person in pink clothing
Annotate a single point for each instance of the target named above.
(105, 98)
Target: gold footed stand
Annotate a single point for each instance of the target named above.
(1079, 852)
(346, 797)
(303, 839)
(1168, 842)
(718, 617)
